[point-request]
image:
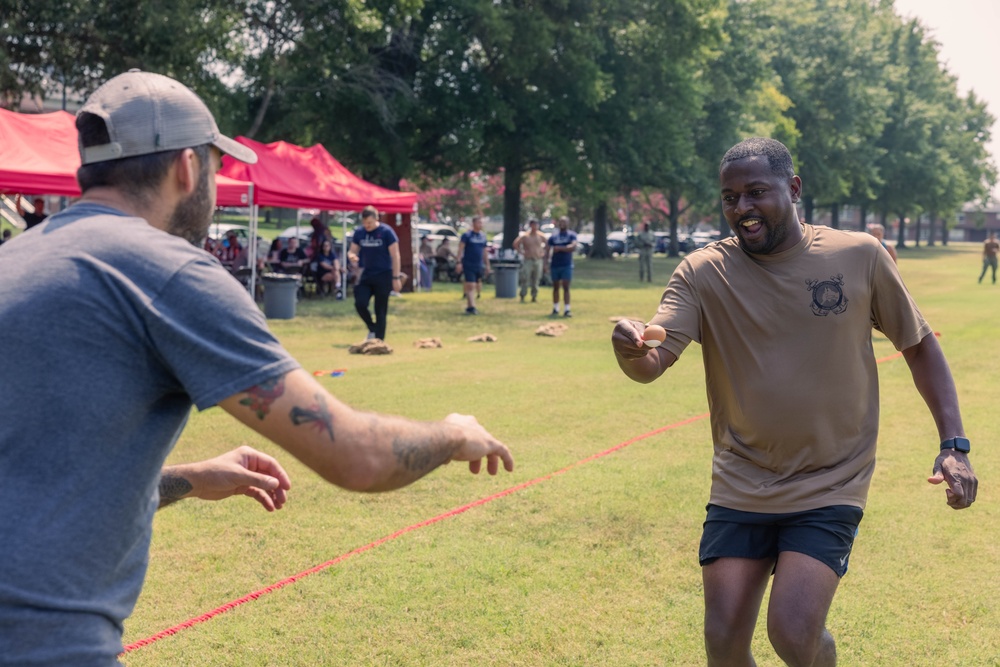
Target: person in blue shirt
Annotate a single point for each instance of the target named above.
(475, 262)
(559, 259)
(375, 247)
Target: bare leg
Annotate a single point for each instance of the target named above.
(734, 588)
(801, 595)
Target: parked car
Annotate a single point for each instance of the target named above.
(436, 233)
(618, 243)
(702, 239)
(584, 242)
(663, 242)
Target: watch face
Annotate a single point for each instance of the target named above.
(962, 445)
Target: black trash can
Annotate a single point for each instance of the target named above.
(280, 295)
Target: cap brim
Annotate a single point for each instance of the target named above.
(235, 149)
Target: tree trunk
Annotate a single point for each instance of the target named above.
(916, 235)
(901, 237)
(674, 202)
(512, 177)
(931, 229)
(835, 216)
(863, 224)
(809, 204)
(599, 250)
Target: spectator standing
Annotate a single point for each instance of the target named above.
(990, 248)
(376, 249)
(531, 245)
(559, 258)
(292, 258)
(34, 217)
(74, 552)
(878, 231)
(793, 460)
(475, 259)
(645, 241)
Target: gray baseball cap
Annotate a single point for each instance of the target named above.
(151, 113)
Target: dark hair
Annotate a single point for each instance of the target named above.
(778, 157)
(369, 212)
(135, 176)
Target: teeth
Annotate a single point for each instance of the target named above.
(751, 222)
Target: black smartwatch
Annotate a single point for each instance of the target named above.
(958, 444)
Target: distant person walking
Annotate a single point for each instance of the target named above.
(531, 245)
(375, 247)
(645, 241)
(475, 262)
(878, 231)
(559, 257)
(990, 248)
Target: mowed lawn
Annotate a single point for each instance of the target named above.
(594, 562)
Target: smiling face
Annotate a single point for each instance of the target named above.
(759, 205)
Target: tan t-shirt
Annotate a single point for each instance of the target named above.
(532, 246)
(789, 365)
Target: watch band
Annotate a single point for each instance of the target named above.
(959, 444)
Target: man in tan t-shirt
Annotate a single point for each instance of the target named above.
(531, 245)
(783, 312)
(990, 249)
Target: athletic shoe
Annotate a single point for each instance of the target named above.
(567, 314)
(471, 311)
(340, 295)
(555, 313)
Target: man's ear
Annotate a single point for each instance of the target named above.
(185, 171)
(796, 187)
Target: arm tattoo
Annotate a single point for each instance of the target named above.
(173, 488)
(418, 458)
(317, 413)
(260, 397)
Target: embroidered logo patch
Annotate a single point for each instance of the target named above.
(828, 295)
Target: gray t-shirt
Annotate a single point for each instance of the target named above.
(111, 330)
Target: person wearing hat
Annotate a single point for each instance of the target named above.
(136, 343)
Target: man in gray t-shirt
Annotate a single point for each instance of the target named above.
(110, 340)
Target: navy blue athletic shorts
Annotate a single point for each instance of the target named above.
(826, 534)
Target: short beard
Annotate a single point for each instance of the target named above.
(193, 216)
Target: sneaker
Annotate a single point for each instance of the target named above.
(340, 295)
(555, 313)
(370, 336)
(567, 314)
(471, 311)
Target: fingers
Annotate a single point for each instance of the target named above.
(627, 339)
(956, 470)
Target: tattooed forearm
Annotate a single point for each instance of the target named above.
(317, 414)
(173, 488)
(419, 458)
(260, 398)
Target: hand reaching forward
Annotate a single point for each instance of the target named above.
(479, 443)
(242, 471)
(954, 468)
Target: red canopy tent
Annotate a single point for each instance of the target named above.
(291, 176)
(39, 155)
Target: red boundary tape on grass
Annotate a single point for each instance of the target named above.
(423, 524)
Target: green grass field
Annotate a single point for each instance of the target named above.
(593, 566)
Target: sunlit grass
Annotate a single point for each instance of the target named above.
(594, 566)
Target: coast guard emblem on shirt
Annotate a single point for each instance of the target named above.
(828, 295)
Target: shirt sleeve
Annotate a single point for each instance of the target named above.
(894, 312)
(212, 335)
(680, 310)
